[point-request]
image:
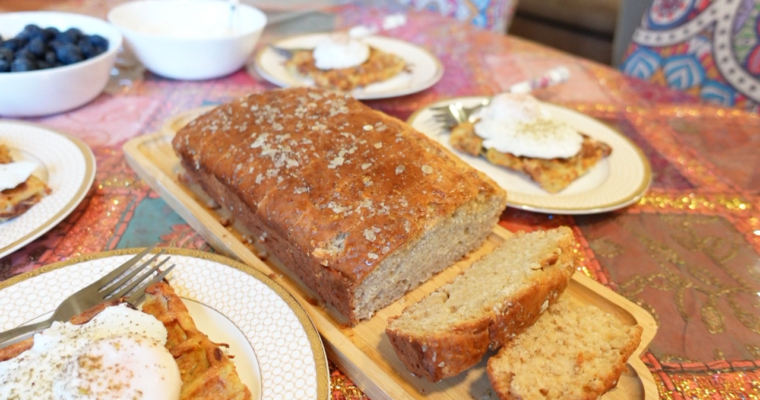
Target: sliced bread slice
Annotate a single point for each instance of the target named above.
(496, 298)
(572, 352)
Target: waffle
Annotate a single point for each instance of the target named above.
(206, 371)
(379, 67)
(553, 175)
(16, 201)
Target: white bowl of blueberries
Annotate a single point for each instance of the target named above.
(52, 62)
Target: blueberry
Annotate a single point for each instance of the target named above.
(24, 53)
(55, 43)
(71, 35)
(5, 65)
(23, 65)
(88, 50)
(69, 54)
(51, 58)
(37, 47)
(6, 54)
(98, 41)
(43, 65)
(49, 34)
(14, 44)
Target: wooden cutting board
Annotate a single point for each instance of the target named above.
(364, 352)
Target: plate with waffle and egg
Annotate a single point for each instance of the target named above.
(214, 329)
(44, 175)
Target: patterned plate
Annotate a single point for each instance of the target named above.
(278, 351)
(615, 182)
(425, 68)
(65, 163)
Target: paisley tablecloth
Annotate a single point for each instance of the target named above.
(688, 251)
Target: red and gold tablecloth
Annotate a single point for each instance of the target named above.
(688, 251)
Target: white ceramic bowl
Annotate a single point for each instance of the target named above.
(189, 39)
(54, 90)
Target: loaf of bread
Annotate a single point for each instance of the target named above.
(572, 352)
(357, 204)
(496, 298)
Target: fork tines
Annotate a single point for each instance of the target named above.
(123, 282)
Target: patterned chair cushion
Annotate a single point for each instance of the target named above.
(710, 48)
(489, 14)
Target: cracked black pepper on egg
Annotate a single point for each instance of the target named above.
(38, 48)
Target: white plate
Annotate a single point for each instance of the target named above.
(615, 182)
(278, 351)
(65, 163)
(425, 68)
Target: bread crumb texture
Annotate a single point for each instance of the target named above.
(572, 352)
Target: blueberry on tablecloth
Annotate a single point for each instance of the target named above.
(5, 65)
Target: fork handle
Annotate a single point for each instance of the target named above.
(22, 332)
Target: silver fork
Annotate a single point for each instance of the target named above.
(111, 286)
(286, 52)
(454, 114)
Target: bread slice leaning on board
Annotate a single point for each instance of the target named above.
(495, 299)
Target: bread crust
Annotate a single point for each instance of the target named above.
(331, 187)
(446, 354)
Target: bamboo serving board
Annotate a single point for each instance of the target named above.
(364, 352)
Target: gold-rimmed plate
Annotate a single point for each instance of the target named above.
(424, 68)
(64, 163)
(615, 182)
(277, 350)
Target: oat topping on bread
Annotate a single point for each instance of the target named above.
(380, 66)
(357, 204)
(553, 175)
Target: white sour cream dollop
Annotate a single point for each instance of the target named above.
(518, 125)
(15, 173)
(340, 51)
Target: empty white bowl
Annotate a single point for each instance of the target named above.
(54, 90)
(189, 39)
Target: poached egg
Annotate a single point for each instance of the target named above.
(118, 355)
(518, 125)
